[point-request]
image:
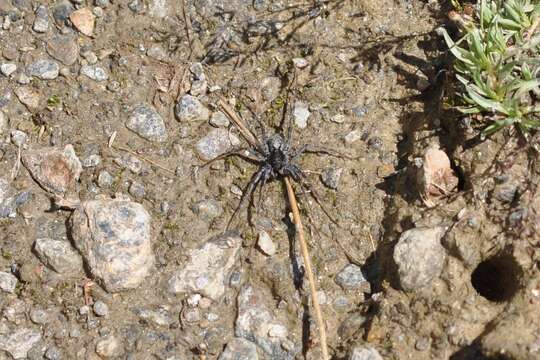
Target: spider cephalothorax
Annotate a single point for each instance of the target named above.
(279, 159)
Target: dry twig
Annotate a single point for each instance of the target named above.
(307, 262)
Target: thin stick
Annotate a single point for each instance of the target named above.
(250, 138)
(144, 159)
(189, 27)
(307, 263)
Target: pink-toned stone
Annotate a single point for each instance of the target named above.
(436, 177)
(84, 20)
(55, 170)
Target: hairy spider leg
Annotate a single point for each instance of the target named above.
(238, 151)
(320, 150)
(304, 182)
(267, 175)
(246, 194)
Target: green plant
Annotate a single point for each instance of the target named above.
(498, 63)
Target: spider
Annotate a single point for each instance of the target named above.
(276, 159)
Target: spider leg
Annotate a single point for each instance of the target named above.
(304, 182)
(264, 180)
(321, 150)
(246, 194)
(240, 152)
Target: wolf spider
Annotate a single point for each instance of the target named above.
(276, 158)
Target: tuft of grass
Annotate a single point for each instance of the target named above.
(498, 64)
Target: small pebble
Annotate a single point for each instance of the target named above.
(8, 282)
(330, 177)
(105, 179)
(301, 114)
(365, 353)
(352, 277)
(84, 20)
(41, 23)
(266, 244)
(353, 136)
(189, 108)
(53, 353)
(219, 119)
(7, 69)
(109, 347)
(18, 138)
(91, 161)
(94, 72)
(44, 69)
(39, 316)
(100, 308)
(137, 190)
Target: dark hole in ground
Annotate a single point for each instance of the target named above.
(497, 278)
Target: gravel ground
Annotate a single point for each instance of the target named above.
(114, 239)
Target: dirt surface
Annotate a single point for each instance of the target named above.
(374, 76)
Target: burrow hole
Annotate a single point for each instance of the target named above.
(497, 278)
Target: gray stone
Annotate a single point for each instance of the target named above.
(365, 353)
(110, 346)
(114, 238)
(239, 349)
(41, 22)
(219, 119)
(7, 69)
(419, 256)
(157, 52)
(94, 72)
(353, 136)
(208, 268)
(136, 6)
(53, 353)
(159, 317)
(137, 190)
(105, 179)
(8, 282)
(207, 209)
(189, 108)
(62, 10)
(147, 123)
(91, 161)
(351, 277)
(330, 177)
(10, 200)
(256, 323)
(100, 308)
(55, 170)
(215, 143)
(301, 114)
(39, 316)
(129, 162)
(63, 48)
(19, 342)
(18, 137)
(59, 255)
(44, 69)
